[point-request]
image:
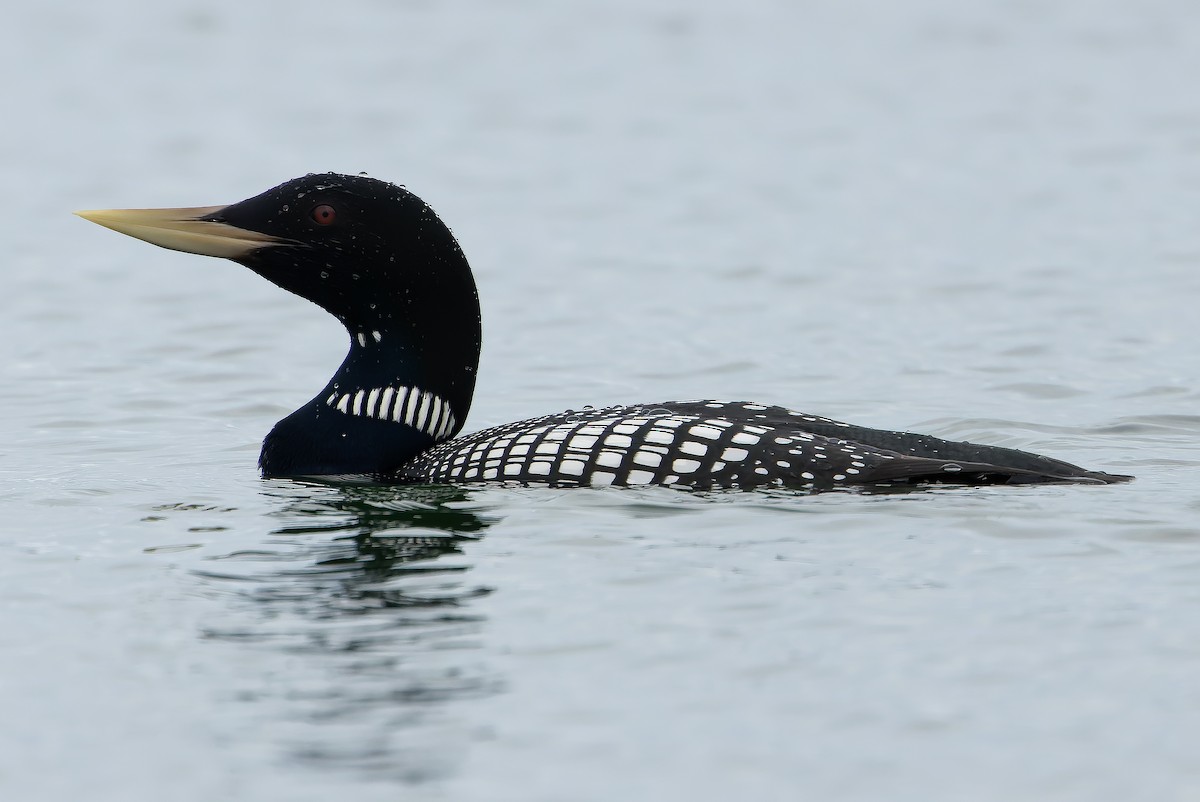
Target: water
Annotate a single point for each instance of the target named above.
(975, 220)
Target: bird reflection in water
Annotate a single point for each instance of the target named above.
(357, 612)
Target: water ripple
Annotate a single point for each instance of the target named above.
(363, 595)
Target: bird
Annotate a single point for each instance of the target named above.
(380, 260)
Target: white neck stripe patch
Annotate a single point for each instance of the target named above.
(408, 405)
(401, 398)
(362, 337)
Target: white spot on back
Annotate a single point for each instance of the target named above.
(558, 433)
(609, 459)
(582, 442)
(647, 458)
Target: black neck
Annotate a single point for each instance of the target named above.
(406, 383)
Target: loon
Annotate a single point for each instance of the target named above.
(379, 259)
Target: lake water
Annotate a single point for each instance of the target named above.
(977, 220)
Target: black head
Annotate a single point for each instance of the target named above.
(353, 245)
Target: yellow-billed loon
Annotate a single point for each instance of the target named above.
(380, 260)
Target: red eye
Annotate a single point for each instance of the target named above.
(323, 215)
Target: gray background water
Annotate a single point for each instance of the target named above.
(973, 219)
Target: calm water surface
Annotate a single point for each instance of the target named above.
(977, 220)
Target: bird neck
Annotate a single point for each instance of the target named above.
(403, 387)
